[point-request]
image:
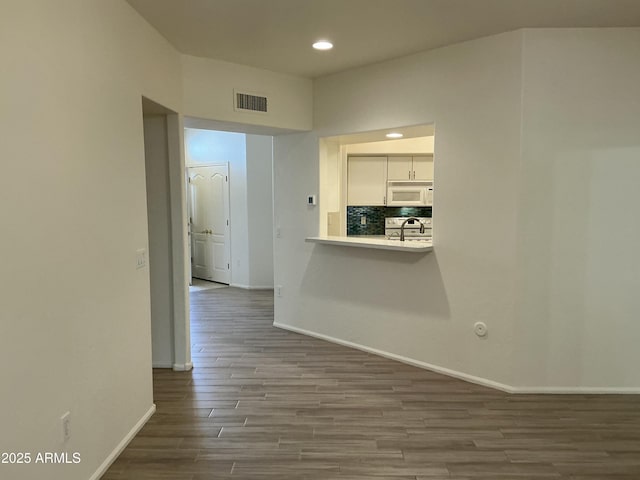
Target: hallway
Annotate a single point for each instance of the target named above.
(263, 403)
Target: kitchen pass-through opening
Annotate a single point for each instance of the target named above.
(371, 182)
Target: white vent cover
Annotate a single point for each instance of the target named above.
(249, 102)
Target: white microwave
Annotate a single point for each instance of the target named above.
(409, 193)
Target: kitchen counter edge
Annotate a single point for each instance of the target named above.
(374, 243)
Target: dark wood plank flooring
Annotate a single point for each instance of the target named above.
(263, 403)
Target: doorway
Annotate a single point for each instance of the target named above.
(209, 223)
(246, 260)
(167, 241)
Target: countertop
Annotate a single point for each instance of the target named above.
(378, 242)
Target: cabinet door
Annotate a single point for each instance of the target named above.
(423, 167)
(366, 180)
(399, 168)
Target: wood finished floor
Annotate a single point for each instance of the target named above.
(263, 403)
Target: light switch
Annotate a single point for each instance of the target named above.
(141, 258)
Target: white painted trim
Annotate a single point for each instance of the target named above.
(416, 363)
(578, 390)
(162, 365)
(373, 243)
(251, 287)
(182, 367)
(123, 444)
(181, 260)
(464, 376)
(196, 165)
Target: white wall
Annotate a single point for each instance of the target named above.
(330, 186)
(418, 307)
(75, 319)
(160, 246)
(209, 146)
(239, 215)
(536, 157)
(578, 228)
(403, 145)
(209, 86)
(260, 210)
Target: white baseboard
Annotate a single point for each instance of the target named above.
(162, 365)
(460, 375)
(123, 444)
(251, 287)
(182, 367)
(578, 390)
(416, 363)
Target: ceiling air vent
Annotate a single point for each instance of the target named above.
(249, 102)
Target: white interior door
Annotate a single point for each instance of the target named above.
(209, 222)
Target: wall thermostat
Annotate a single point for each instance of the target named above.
(311, 200)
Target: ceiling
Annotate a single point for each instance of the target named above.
(277, 34)
(224, 126)
(415, 131)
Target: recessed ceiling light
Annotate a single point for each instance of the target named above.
(394, 135)
(323, 45)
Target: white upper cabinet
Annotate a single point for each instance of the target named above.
(404, 167)
(423, 167)
(400, 168)
(366, 181)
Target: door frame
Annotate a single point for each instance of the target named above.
(180, 339)
(181, 262)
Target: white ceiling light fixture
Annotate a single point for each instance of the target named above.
(394, 135)
(323, 45)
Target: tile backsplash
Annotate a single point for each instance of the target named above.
(375, 218)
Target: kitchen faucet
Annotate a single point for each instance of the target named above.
(403, 224)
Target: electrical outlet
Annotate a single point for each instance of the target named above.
(279, 290)
(65, 423)
(363, 220)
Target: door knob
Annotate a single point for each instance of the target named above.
(210, 232)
